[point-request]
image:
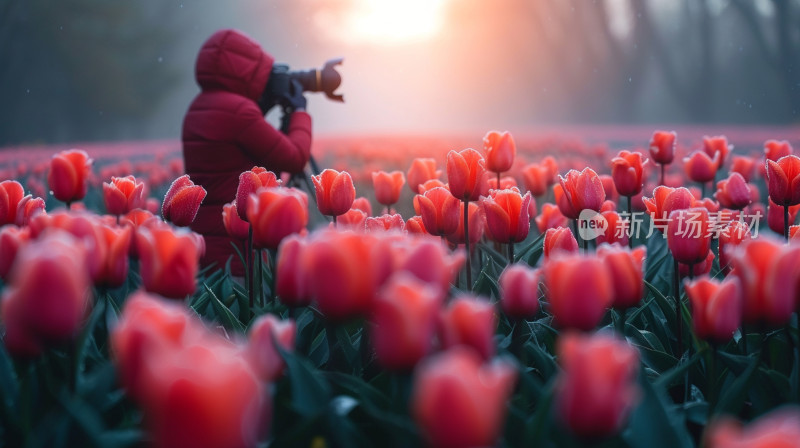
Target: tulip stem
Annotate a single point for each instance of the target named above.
(661, 180)
(498, 181)
(260, 270)
(585, 245)
(691, 271)
(623, 314)
(712, 379)
(516, 339)
(788, 330)
(702, 190)
(466, 245)
(744, 338)
(510, 252)
(250, 292)
(786, 222)
(630, 222)
(678, 314)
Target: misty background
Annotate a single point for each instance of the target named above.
(97, 70)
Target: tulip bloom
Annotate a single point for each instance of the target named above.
(775, 218)
(500, 151)
(384, 223)
(688, 235)
(535, 178)
(550, 218)
(559, 239)
(250, 182)
(779, 428)
(428, 259)
(465, 171)
(440, 211)
(579, 289)
(564, 205)
(733, 192)
(355, 220)
(421, 171)
(404, 321)
(475, 225)
(182, 201)
(716, 308)
(123, 194)
(627, 274)
(506, 183)
(507, 216)
(275, 213)
(11, 193)
(743, 165)
(468, 321)
(291, 279)
(335, 192)
(460, 402)
(236, 227)
(662, 147)
(584, 190)
(731, 236)
(616, 231)
(27, 208)
(415, 226)
(596, 390)
(519, 291)
(698, 269)
(387, 186)
(69, 174)
(665, 200)
(362, 203)
(775, 150)
(627, 172)
(115, 264)
(263, 335)
(700, 167)
(168, 261)
(783, 180)
(11, 239)
(718, 144)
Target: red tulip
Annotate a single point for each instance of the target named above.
(385, 223)
(616, 231)
(458, 401)
(387, 186)
(665, 200)
(662, 147)
(775, 216)
(404, 321)
(354, 220)
(564, 205)
(136, 218)
(234, 225)
(743, 165)
(249, 183)
(584, 190)
(11, 193)
(439, 211)
(775, 150)
(362, 203)
(627, 275)
(421, 171)
(596, 390)
(550, 218)
(500, 151)
(507, 216)
(579, 289)
(688, 235)
(429, 260)
(291, 278)
(535, 177)
(168, 261)
(115, 264)
(700, 167)
(519, 291)
(264, 335)
(68, 175)
(794, 235)
(733, 234)
(182, 201)
(27, 208)
(778, 428)
(701, 268)
(552, 167)
(476, 224)
(123, 194)
(465, 173)
(427, 186)
(415, 226)
(12, 238)
(716, 308)
(733, 192)
(718, 144)
(506, 183)
(783, 180)
(559, 239)
(471, 322)
(335, 192)
(626, 170)
(275, 213)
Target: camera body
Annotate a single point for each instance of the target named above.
(279, 86)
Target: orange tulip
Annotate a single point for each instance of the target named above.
(415, 226)
(475, 224)
(500, 151)
(11, 239)
(733, 234)
(123, 194)
(557, 240)
(235, 226)
(249, 183)
(778, 428)
(404, 321)
(579, 289)
(627, 275)
(275, 213)
(783, 180)
(335, 192)
(471, 322)
(182, 201)
(27, 208)
(716, 308)
(68, 175)
(384, 223)
(584, 190)
(439, 210)
(775, 150)
(421, 171)
(458, 401)
(733, 192)
(291, 282)
(700, 167)
(465, 174)
(11, 193)
(550, 218)
(519, 291)
(117, 240)
(718, 144)
(507, 216)
(168, 261)
(596, 390)
(662, 147)
(627, 171)
(263, 335)
(387, 186)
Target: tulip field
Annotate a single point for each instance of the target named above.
(493, 290)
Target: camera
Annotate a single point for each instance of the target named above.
(279, 86)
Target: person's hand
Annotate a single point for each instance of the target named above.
(295, 99)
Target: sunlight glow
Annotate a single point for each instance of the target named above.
(390, 21)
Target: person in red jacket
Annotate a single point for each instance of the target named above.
(225, 133)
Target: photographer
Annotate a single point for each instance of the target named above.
(225, 133)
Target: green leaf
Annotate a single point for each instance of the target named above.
(655, 422)
(226, 317)
(668, 378)
(310, 391)
(86, 334)
(531, 249)
(733, 397)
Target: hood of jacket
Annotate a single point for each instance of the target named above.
(232, 61)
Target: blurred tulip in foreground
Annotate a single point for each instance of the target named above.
(468, 321)
(627, 273)
(263, 335)
(716, 308)
(779, 428)
(168, 261)
(579, 290)
(519, 291)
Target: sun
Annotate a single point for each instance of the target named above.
(390, 21)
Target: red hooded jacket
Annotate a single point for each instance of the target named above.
(224, 133)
